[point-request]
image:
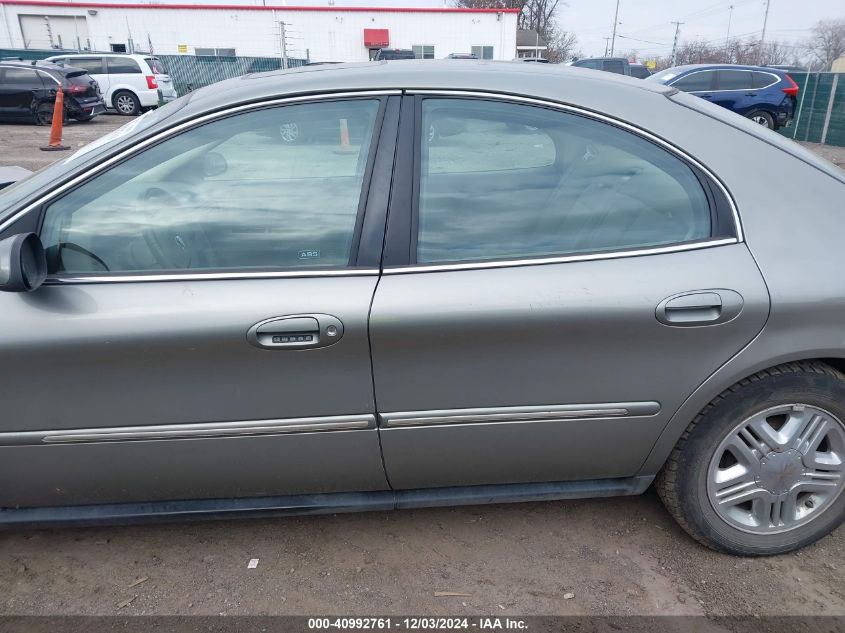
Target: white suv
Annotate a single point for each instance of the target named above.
(129, 83)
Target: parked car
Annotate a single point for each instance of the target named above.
(394, 53)
(462, 56)
(765, 95)
(618, 65)
(28, 92)
(130, 83)
(640, 71)
(579, 293)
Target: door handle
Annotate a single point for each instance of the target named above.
(296, 332)
(706, 96)
(699, 307)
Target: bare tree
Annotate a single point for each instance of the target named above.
(826, 43)
(537, 15)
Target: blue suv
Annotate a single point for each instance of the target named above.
(765, 95)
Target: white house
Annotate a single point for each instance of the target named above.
(320, 33)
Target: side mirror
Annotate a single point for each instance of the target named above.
(23, 264)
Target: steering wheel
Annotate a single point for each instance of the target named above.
(172, 246)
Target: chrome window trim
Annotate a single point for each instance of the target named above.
(673, 149)
(164, 134)
(188, 431)
(219, 276)
(543, 413)
(510, 263)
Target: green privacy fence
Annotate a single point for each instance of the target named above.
(188, 72)
(820, 114)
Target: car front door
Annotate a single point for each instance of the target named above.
(204, 330)
(554, 288)
(700, 83)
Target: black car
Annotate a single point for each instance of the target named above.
(394, 53)
(618, 65)
(640, 71)
(28, 92)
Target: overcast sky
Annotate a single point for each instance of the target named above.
(592, 20)
(645, 25)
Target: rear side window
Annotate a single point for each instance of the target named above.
(695, 82)
(763, 80)
(155, 65)
(517, 181)
(123, 65)
(94, 65)
(733, 80)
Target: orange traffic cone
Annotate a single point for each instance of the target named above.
(345, 145)
(56, 126)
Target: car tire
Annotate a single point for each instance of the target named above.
(126, 103)
(763, 118)
(84, 118)
(44, 114)
(797, 407)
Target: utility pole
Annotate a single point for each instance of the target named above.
(675, 41)
(606, 45)
(283, 33)
(615, 21)
(728, 35)
(763, 35)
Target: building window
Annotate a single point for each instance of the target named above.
(483, 52)
(423, 52)
(215, 52)
(118, 48)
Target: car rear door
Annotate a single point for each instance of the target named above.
(193, 343)
(734, 90)
(554, 287)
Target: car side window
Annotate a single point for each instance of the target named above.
(695, 82)
(122, 66)
(268, 189)
(762, 80)
(518, 181)
(94, 65)
(614, 66)
(21, 78)
(733, 80)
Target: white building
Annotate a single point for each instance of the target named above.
(321, 33)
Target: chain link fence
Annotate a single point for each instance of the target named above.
(820, 113)
(188, 72)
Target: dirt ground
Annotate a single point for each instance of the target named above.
(615, 556)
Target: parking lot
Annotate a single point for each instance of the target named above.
(621, 556)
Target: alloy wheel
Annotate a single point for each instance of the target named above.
(778, 470)
(125, 104)
(761, 120)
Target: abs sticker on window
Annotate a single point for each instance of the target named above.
(309, 254)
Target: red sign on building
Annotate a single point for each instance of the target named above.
(376, 38)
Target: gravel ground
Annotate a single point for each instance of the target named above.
(616, 556)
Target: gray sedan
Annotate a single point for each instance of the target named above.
(582, 285)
